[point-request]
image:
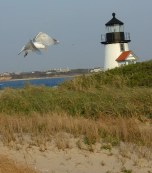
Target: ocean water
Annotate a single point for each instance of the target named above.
(50, 82)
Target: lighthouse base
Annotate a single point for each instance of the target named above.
(112, 52)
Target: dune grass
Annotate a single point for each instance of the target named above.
(42, 129)
(134, 75)
(98, 106)
(122, 92)
(108, 101)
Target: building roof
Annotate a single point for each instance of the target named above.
(124, 55)
(114, 21)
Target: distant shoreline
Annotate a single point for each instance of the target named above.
(33, 78)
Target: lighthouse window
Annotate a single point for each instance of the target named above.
(122, 48)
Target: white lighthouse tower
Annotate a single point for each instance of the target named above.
(117, 52)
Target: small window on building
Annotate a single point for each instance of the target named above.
(122, 47)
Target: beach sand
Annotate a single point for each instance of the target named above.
(50, 158)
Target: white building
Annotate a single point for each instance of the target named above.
(95, 70)
(126, 57)
(117, 51)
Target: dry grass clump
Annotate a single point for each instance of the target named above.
(9, 166)
(42, 129)
(128, 130)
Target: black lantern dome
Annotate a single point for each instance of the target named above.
(115, 32)
(114, 21)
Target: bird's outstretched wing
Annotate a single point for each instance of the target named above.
(45, 39)
(23, 49)
(30, 47)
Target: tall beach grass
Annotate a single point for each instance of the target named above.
(41, 130)
(108, 101)
(112, 105)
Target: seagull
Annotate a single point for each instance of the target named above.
(40, 41)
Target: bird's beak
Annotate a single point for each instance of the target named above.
(57, 42)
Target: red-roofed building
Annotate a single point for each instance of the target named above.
(127, 57)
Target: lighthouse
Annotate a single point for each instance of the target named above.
(116, 41)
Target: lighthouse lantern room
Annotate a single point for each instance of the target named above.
(116, 42)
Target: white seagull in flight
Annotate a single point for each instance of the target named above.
(40, 41)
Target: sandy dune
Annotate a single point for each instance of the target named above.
(49, 159)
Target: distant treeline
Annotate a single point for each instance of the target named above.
(39, 74)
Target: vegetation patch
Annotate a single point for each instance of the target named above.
(104, 105)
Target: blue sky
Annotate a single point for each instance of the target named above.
(78, 24)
